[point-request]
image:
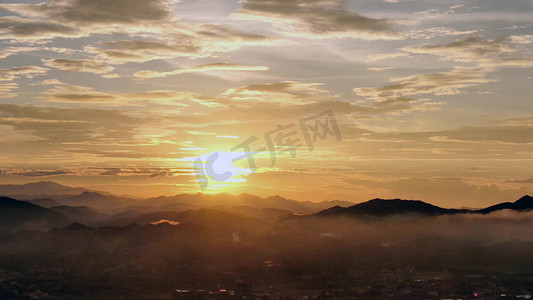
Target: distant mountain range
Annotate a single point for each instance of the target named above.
(38, 190)
(244, 199)
(69, 205)
(50, 194)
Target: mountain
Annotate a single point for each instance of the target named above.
(81, 214)
(248, 200)
(383, 207)
(74, 228)
(49, 194)
(265, 214)
(290, 205)
(45, 202)
(220, 221)
(38, 190)
(524, 203)
(125, 214)
(96, 200)
(20, 215)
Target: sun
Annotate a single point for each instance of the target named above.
(221, 171)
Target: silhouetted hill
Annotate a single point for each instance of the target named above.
(384, 207)
(524, 203)
(20, 215)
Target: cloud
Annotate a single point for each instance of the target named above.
(163, 221)
(381, 69)
(99, 171)
(8, 135)
(77, 94)
(384, 56)
(182, 39)
(104, 12)
(79, 65)
(316, 19)
(10, 51)
(288, 100)
(445, 83)
(38, 173)
(27, 120)
(514, 135)
(159, 96)
(216, 38)
(285, 100)
(522, 39)
(64, 93)
(58, 125)
(505, 134)
(123, 153)
(76, 18)
(6, 90)
(284, 93)
(433, 32)
(475, 49)
(19, 28)
(136, 171)
(26, 71)
(49, 82)
(152, 28)
(523, 180)
(209, 69)
(118, 52)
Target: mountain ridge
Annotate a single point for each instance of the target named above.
(21, 215)
(386, 207)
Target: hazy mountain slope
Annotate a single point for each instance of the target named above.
(81, 214)
(20, 215)
(45, 202)
(97, 200)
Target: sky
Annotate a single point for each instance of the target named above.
(347, 100)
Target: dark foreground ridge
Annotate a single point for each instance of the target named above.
(387, 207)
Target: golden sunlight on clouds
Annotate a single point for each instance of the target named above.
(432, 100)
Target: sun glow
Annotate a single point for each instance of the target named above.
(220, 171)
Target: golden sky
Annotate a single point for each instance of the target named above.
(433, 99)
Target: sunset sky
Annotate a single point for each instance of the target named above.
(433, 99)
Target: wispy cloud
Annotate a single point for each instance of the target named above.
(316, 19)
(208, 69)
